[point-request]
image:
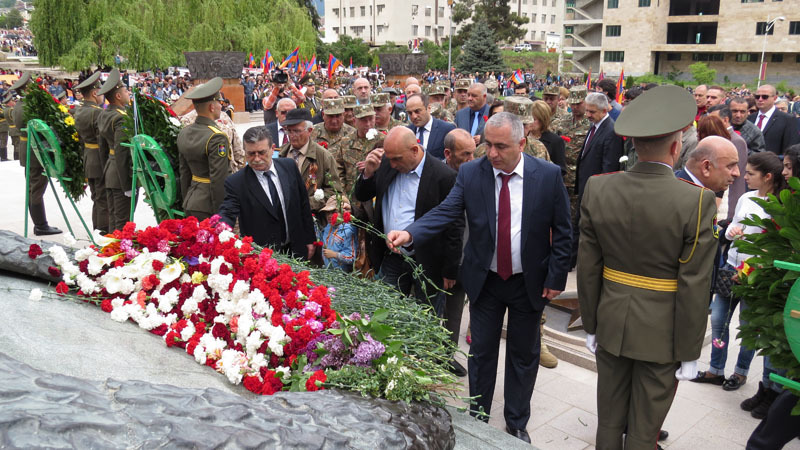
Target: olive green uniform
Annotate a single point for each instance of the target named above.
(392, 124)
(318, 170)
(38, 181)
(13, 132)
(204, 154)
(87, 123)
(576, 131)
(3, 135)
(118, 169)
(353, 150)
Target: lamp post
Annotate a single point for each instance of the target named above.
(767, 27)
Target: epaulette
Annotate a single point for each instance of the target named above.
(607, 173)
(693, 183)
(215, 129)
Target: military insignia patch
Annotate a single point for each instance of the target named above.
(222, 150)
(715, 227)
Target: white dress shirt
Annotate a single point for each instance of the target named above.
(400, 199)
(767, 116)
(427, 135)
(262, 180)
(694, 178)
(515, 196)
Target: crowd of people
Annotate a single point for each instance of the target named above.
(475, 188)
(18, 42)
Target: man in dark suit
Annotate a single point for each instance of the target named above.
(779, 129)
(276, 131)
(269, 199)
(471, 118)
(429, 130)
(517, 258)
(406, 184)
(601, 152)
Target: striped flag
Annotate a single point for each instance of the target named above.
(351, 63)
(518, 77)
(333, 64)
(292, 58)
(620, 85)
(312, 65)
(252, 61)
(269, 62)
(601, 76)
(589, 81)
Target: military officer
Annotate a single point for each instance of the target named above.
(204, 154)
(575, 128)
(644, 270)
(118, 171)
(87, 123)
(460, 99)
(492, 87)
(357, 146)
(349, 104)
(4, 129)
(38, 181)
(437, 97)
(383, 112)
(332, 134)
(9, 101)
(523, 108)
(551, 96)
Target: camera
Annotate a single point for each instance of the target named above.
(280, 77)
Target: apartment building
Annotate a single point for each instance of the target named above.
(545, 22)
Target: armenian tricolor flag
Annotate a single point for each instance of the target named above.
(333, 64)
(252, 61)
(518, 77)
(620, 85)
(292, 58)
(589, 81)
(312, 65)
(268, 61)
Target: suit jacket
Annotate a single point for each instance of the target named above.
(439, 129)
(780, 132)
(465, 116)
(246, 200)
(272, 127)
(659, 326)
(545, 209)
(601, 156)
(439, 259)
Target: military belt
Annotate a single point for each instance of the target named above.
(88, 145)
(12, 126)
(201, 179)
(640, 281)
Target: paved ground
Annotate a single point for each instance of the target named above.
(564, 409)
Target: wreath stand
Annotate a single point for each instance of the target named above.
(791, 323)
(153, 171)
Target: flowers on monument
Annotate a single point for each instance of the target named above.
(229, 305)
(35, 295)
(372, 133)
(34, 250)
(319, 195)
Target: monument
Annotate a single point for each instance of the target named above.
(207, 65)
(399, 66)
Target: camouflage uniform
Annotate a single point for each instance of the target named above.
(533, 147)
(353, 150)
(521, 107)
(383, 98)
(333, 142)
(576, 131)
(441, 113)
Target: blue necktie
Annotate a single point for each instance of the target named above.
(475, 122)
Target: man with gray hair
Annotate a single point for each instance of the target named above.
(276, 130)
(502, 268)
(472, 118)
(713, 164)
(361, 89)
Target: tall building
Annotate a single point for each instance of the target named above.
(667, 36)
(545, 19)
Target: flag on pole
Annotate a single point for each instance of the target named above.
(762, 74)
(252, 61)
(292, 58)
(351, 63)
(333, 64)
(601, 76)
(518, 77)
(589, 81)
(269, 62)
(312, 65)
(620, 85)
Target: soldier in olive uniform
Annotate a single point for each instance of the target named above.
(332, 131)
(87, 123)
(551, 96)
(437, 104)
(9, 101)
(38, 181)
(356, 147)
(575, 127)
(204, 154)
(644, 271)
(521, 107)
(119, 165)
(459, 101)
(383, 112)
(4, 129)
(349, 104)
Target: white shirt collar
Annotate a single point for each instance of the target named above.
(429, 125)
(597, 125)
(271, 169)
(519, 169)
(694, 178)
(418, 169)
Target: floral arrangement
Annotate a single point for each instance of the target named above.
(765, 287)
(159, 121)
(237, 309)
(39, 104)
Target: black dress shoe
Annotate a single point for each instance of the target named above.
(457, 369)
(46, 230)
(734, 382)
(702, 378)
(519, 434)
(663, 435)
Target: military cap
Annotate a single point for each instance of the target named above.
(463, 84)
(521, 107)
(332, 106)
(8, 97)
(349, 101)
(657, 112)
(112, 83)
(23, 80)
(390, 91)
(93, 82)
(361, 111)
(437, 89)
(435, 109)
(444, 83)
(295, 116)
(577, 94)
(206, 92)
(491, 85)
(552, 89)
(379, 99)
(309, 82)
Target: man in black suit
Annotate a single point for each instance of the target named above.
(472, 118)
(516, 259)
(779, 129)
(600, 153)
(406, 184)
(277, 133)
(269, 199)
(429, 130)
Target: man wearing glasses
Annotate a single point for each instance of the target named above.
(779, 129)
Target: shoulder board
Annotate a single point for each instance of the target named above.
(215, 129)
(122, 112)
(693, 183)
(607, 173)
(95, 106)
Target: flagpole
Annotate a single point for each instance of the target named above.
(450, 40)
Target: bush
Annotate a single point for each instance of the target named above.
(702, 74)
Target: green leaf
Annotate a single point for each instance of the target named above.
(380, 315)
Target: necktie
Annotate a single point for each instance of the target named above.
(504, 230)
(276, 205)
(475, 122)
(295, 154)
(285, 138)
(422, 137)
(760, 121)
(588, 140)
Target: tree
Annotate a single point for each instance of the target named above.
(506, 25)
(437, 55)
(481, 53)
(702, 74)
(345, 48)
(13, 19)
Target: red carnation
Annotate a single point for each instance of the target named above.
(485, 118)
(221, 331)
(157, 266)
(318, 244)
(323, 144)
(252, 383)
(105, 305)
(54, 272)
(34, 250)
(566, 139)
(346, 217)
(315, 382)
(62, 288)
(334, 219)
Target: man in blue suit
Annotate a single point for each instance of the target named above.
(471, 118)
(514, 203)
(429, 130)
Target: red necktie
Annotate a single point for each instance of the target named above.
(760, 120)
(588, 140)
(504, 230)
(285, 138)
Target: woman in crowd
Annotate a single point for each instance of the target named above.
(540, 129)
(791, 162)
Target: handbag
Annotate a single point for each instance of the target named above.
(724, 282)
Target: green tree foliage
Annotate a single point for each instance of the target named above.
(345, 48)
(154, 33)
(13, 19)
(481, 53)
(702, 74)
(437, 55)
(506, 25)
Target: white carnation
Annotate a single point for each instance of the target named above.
(225, 235)
(84, 253)
(171, 272)
(70, 240)
(35, 295)
(623, 159)
(188, 331)
(372, 133)
(253, 342)
(319, 195)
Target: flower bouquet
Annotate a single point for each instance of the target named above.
(39, 104)
(237, 309)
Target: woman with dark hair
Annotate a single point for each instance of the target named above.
(791, 162)
(711, 126)
(497, 106)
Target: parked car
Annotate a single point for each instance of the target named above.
(523, 48)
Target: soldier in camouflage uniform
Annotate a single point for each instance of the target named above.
(383, 112)
(459, 100)
(349, 104)
(521, 107)
(437, 104)
(356, 146)
(575, 127)
(332, 134)
(551, 95)
(492, 89)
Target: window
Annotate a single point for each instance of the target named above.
(673, 56)
(380, 29)
(553, 19)
(746, 57)
(533, 35)
(524, 2)
(614, 56)
(776, 57)
(414, 10)
(380, 8)
(352, 11)
(644, 3)
(441, 31)
(541, 36)
(544, 18)
(797, 59)
(415, 30)
(427, 30)
(761, 28)
(794, 27)
(441, 11)
(533, 17)
(427, 11)
(708, 56)
(570, 3)
(567, 30)
(357, 30)
(613, 4)
(363, 11)
(336, 30)
(336, 12)
(554, 3)
(524, 14)
(613, 30)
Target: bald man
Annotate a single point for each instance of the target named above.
(713, 164)
(406, 183)
(473, 117)
(329, 93)
(362, 90)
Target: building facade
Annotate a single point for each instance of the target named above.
(545, 22)
(667, 36)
